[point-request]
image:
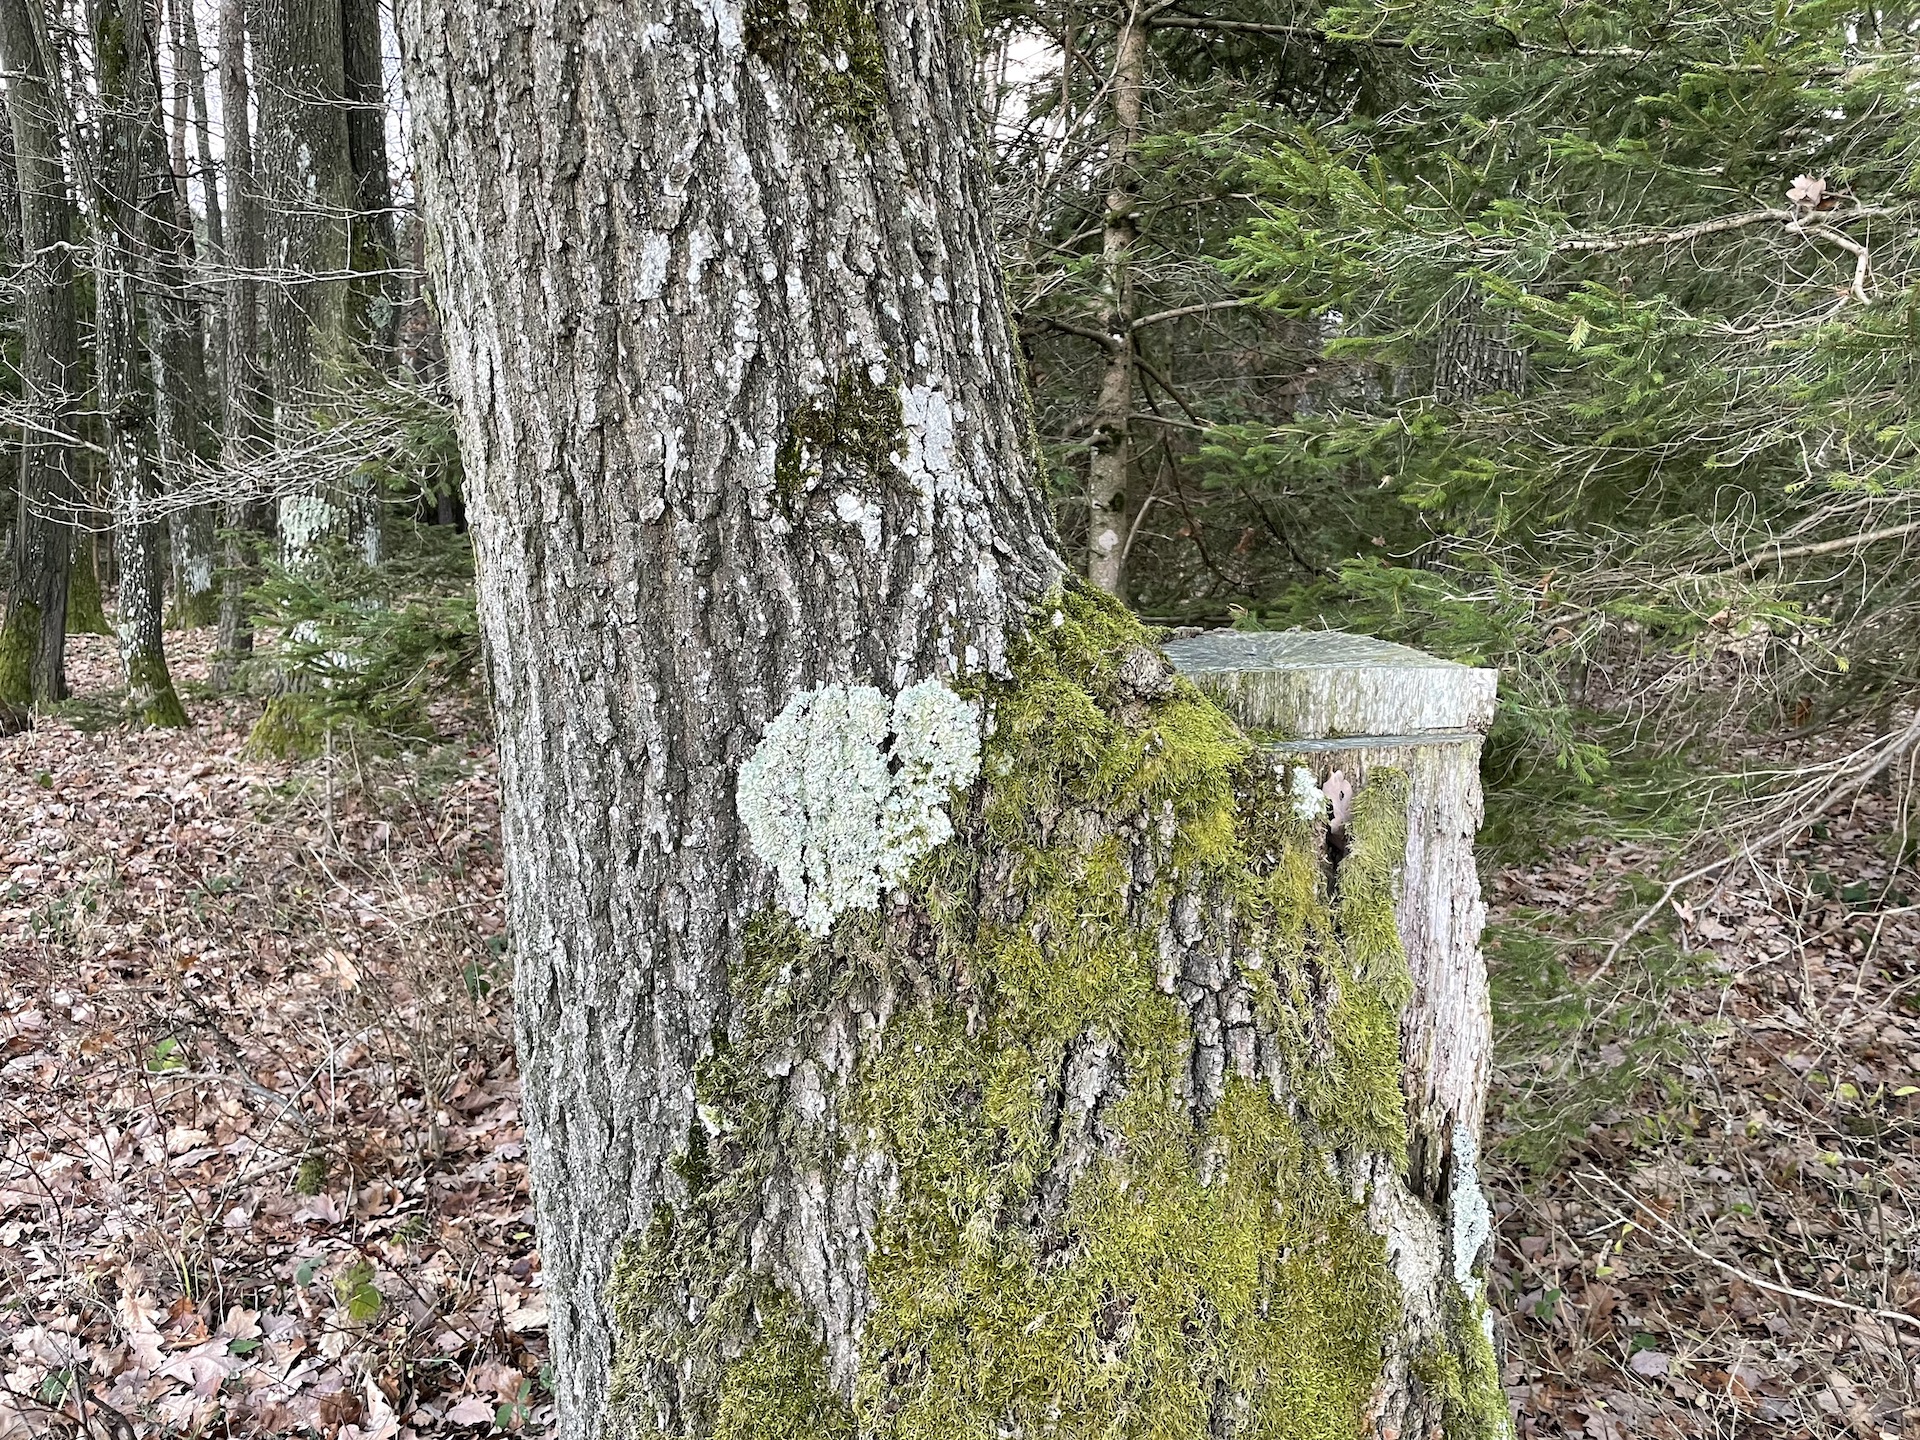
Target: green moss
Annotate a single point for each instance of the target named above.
(193, 610)
(778, 1386)
(855, 426)
(86, 614)
(1197, 1258)
(155, 701)
(19, 637)
(1461, 1371)
(833, 48)
(291, 727)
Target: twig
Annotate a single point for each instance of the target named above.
(1893, 749)
(1825, 547)
(1668, 1231)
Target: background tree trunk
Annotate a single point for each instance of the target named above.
(376, 257)
(1111, 461)
(1095, 1110)
(246, 516)
(33, 635)
(305, 174)
(134, 232)
(196, 597)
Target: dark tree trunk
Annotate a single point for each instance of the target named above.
(375, 249)
(304, 169)
(933, 1017)
(33, 634)
(148, 410)
(247, 517)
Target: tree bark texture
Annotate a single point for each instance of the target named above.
(147, 415)
(33, 634)
(246, 516)
(1110, 462)
(1086, 1121)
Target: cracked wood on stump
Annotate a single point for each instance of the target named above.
(1349, 704)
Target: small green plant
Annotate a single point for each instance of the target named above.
(358, 1295)
(364, 646)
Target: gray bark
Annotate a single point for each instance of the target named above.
(304, 170)
(740, 418)
(33, 638)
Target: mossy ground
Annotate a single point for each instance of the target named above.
(1206, 1265)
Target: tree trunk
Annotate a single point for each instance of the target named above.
(34, 632)
(135, 235)
(305, 174)
(1110, 463)
(933, 1014)
(246, 517)
(376, 258)
(196, 596)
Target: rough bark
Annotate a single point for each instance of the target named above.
(33, 634)
(246, 518)
(1089, 1118)
(1475, 355)
(136, 276)
(1110, 462)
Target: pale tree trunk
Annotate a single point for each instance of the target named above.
(133, 237)
(196, 598)
(934, 1016)
(247, 518)
(33, 635)
(304, 171)
(1110, 462)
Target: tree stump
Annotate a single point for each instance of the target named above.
(1344, 706)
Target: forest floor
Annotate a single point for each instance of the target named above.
(261, 1162)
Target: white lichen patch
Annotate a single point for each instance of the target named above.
(846, 789)
(1472, 1216)
(864, 515)
(1309, 800)
(304, 521)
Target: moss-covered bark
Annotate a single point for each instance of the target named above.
(1105, 1094)
(86, 610)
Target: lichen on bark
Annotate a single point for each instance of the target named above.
(1106, 1092)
